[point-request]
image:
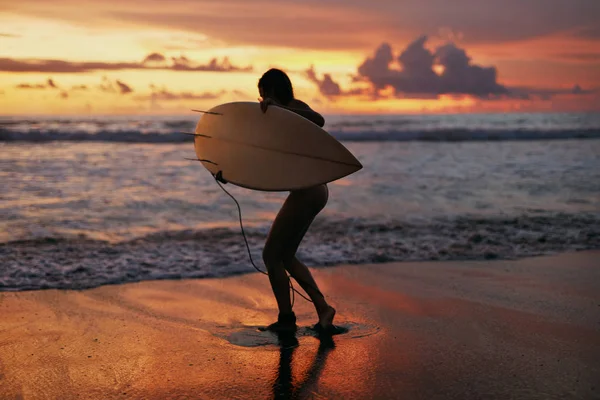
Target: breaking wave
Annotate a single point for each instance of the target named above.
(79, 262)
(439, 135)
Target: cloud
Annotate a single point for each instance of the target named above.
(30, 86)
(579, 56)
(417, 76)
(79, 87)
(335, 25)
(48, 85)
(236, 23)
(106, 85)
(529, 93)
(154, 57)
(376, 70)
(123, 88)
(9, 35)
(166, 95)
(64, 95)
(214, 65)
(588, 32)
(327, 86)
(180, 61)
(150, 62)
(462, 77)
(116, 86)
(58, 66)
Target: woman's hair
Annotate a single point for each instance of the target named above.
(277, 82)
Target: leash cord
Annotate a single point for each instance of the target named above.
(292, 289)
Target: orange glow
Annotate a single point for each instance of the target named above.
(31, 33)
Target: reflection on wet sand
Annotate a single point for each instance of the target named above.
(452, 330)
(284, 386)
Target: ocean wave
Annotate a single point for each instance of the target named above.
(174, 136)
(122, 136)
(79, 262)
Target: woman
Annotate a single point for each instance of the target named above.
(293, 220)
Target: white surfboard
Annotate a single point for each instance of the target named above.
(273, 151)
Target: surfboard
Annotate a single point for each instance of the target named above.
(274, 151)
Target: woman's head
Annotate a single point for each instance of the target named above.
(276, 84)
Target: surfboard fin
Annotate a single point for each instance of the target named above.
(207, 112)
(201, 160)
(219, 177)
(195, 134)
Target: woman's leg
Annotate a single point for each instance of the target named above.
(298, 270)
(287, 230)
(288, 223)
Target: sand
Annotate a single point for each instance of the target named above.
(526, 329)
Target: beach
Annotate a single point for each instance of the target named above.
(523, 329)
(462, 261)
(153, 165)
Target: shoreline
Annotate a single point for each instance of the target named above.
(527, 328)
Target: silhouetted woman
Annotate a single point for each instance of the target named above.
(293, 220)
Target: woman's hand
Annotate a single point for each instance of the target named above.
(266, 102)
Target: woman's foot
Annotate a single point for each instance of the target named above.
(286, 323)
(325, 327)
(326, 317)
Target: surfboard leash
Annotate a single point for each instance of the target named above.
(292, 288)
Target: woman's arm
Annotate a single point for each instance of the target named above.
(299, 107)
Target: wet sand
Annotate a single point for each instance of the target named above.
(526, 329)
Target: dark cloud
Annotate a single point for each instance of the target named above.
(461, 77)
(79, 87)
(64, 95)
(327, 86)
(154, 58)
(107, 85)
(531, 93)
(335, 24)
(486, 21)
(183, 64)
(123, 87)
(9, 35)
(418, 78)
(150, 62)
(166, 95)
(580, 56)
(377, 68)
(58, 66)
(116, 86)
(48, 85)
(180, 61)
(30, 86)
(577, 90)
(589, 32)
(236, 22)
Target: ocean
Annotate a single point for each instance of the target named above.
(88, 201)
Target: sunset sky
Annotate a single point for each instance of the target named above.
(343, 56)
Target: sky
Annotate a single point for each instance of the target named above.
(343, 56)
